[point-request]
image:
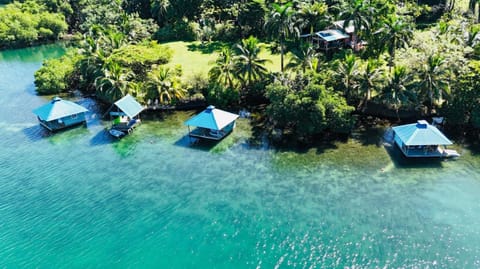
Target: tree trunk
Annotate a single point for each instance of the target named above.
(471, 5)
(281, 55)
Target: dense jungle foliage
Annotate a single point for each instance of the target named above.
(407, 58)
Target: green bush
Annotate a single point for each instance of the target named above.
(221, 96)
(310, 110)
(23, 25)
(139, 58)
(179, 31)
(53, 22)
(226, 32)
(55, 75)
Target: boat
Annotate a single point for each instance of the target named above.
(117, 133)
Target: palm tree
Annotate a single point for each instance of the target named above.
(358, 13)
(248, 65)
(164, 83)
(433, 79)
(93, 62)
(160, 10)
(114, 84)
(397, 92)
(137, 90)
(304, 58)
(471, 7)
(312, 15)
(348, 73)
(224, 70)
(281, 22)
(112, 40)
(396, 34)
(370, 78)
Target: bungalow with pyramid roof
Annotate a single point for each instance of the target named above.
(212, 123)
(59, 114)
(422, 140)
(126, 115)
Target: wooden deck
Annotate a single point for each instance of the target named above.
(54, 126)
(424, 152)
(428, 152)
(208, 134)
(125, 127)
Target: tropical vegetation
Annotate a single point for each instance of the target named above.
(408, 58)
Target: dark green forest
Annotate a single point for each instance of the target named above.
(406, 59)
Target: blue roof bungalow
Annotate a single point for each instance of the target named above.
(126, 116)
(212, 123)
(422, 140)
(59, 114)
(328, 39)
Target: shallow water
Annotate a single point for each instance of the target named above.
(152, 200)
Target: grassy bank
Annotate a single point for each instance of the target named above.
(197, 58)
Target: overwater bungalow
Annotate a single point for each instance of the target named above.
(212, 123)
(59, 114)
(126, 116)
(422, 139)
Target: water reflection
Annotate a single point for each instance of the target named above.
(34, 54)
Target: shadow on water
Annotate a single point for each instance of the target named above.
(102, 138)
(36, 133)
(124, 146)
(207, 48)
(400, 161)
(474, 149)
(472, 143)
(195, 143)
(369, 136)
(320, 147)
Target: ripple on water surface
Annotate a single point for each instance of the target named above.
(79, 199)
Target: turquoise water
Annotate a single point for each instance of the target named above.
(79, 199)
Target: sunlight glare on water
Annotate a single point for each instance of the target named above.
(79, 199)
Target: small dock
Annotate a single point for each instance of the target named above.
(126, 116)
(126, 126)
(209, 134)
(428, 151)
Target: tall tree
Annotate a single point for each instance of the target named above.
(114, 83)
(348, 74)
(164, 83)
(303, 58)
(313, 15)
(396, 33)
(281, 23)
(224, 70)
(370, 78)
(93, 62)
(247, 62)
(160, 10)
(472, 4)
(358, 13)
(397, 92)
(433, 79)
